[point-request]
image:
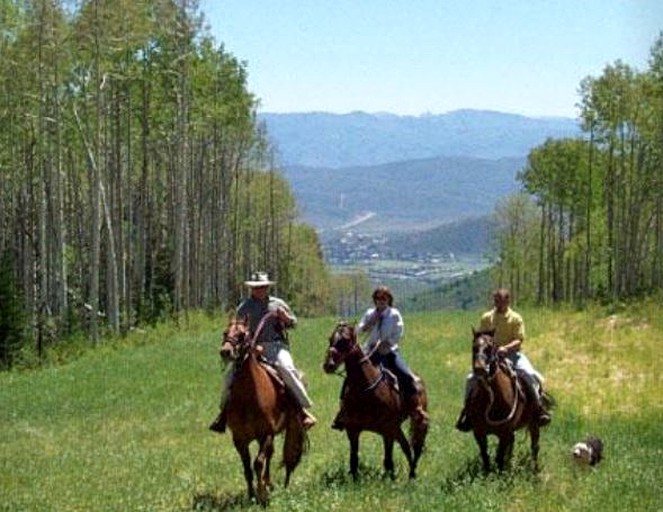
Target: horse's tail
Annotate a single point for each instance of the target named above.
(295, 445)
(419, 429)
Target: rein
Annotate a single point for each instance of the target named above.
(234, 341)
(368, 356)
(491, 359)
(367, 359)
(491, 394)
(260, 327)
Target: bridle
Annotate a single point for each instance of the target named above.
(349, 341)
(235, 336)
(487, 355)
(238, 339)
(337, 337)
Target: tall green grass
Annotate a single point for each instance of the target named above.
(124, 427)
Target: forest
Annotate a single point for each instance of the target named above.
(136, 182)
(589, 222)
(138, 185)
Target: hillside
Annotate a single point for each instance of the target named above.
(402, 195)
(320, 139)
(465, 236)
(400, 184)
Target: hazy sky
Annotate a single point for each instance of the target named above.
(430, 56)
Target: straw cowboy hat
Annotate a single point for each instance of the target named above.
(259, 279)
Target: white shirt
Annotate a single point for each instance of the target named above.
(389, 329)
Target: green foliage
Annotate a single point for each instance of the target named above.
(600, 220)
(133, 167)
(468, 293)
(308, 277)
(124, 427)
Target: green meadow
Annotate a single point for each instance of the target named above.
(123, 427)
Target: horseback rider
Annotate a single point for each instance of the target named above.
(274, 341)
(385, 327)
(509, 336)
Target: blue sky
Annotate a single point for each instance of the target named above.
(413, 57)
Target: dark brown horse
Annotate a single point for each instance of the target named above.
(258, 409)
(371, 402)
(497, 403)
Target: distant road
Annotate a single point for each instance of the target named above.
(357, 220)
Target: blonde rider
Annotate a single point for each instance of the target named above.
(509, 336)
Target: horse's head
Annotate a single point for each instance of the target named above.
(484, 352)
(234, 338)
(343, 338)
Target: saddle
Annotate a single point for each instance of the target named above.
(272, 372)
(393, 381)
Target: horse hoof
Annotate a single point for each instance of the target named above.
(543, 420)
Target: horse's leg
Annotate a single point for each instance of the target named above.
(269, 452)
(534, 436)
(388, 461)
(482, 441)
(261, 468)
(242, 448)
(405, 446)
(293, 446)
(353, 437)
(504, 450)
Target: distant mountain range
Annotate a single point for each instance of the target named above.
(384, 173)
(320, 139)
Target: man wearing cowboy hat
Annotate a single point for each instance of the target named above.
(274, 340)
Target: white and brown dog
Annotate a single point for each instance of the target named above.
(589, 452)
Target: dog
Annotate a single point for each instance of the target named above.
(589, 451)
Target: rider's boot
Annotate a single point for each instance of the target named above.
(219, 424)
(308, 420)
(541, 416)
(416, 410)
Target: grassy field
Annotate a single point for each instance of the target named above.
(124, 427)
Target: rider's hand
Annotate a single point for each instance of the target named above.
(502, 352)
(283, 316)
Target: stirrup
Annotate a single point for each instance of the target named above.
(338, 425)
(463, 424)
